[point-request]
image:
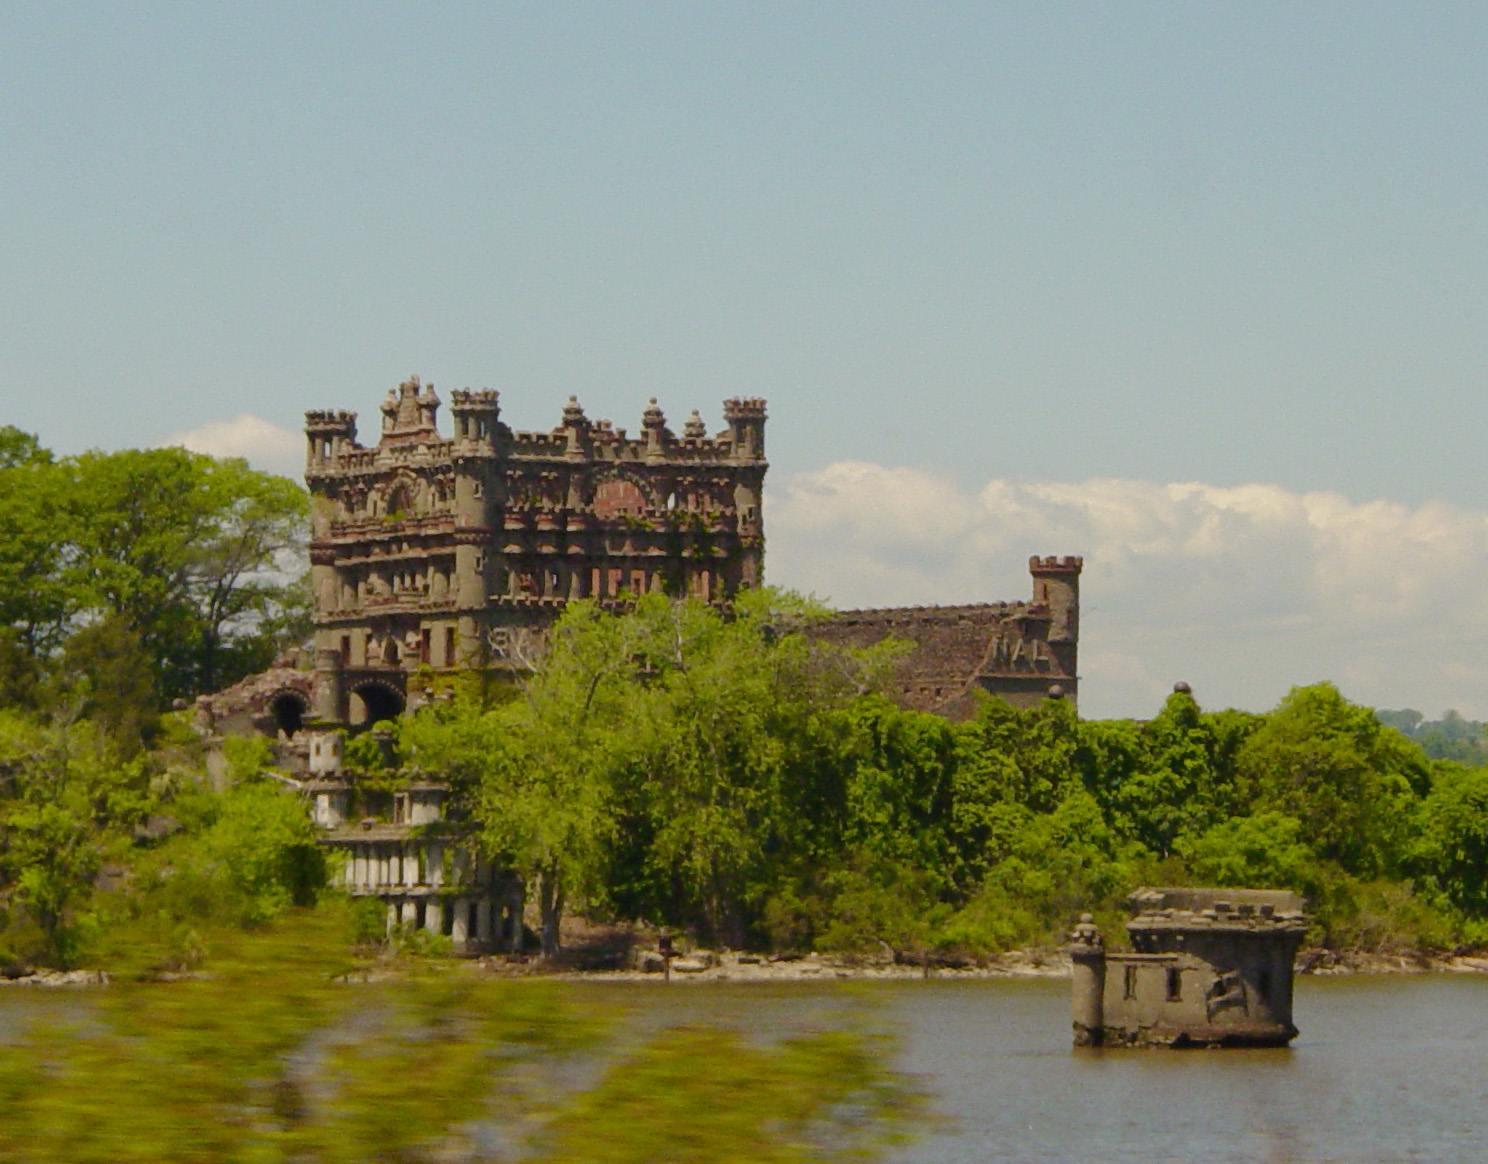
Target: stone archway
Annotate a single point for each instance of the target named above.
(289, 709)
(373, 701)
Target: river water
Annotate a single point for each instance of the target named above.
(1387, 1068)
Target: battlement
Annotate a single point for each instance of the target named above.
(1070, 564)
(474, 399)
(744, 408)
(330, 420)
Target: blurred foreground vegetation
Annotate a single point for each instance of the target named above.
(282, 1051)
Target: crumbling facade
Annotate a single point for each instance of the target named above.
(1207, 967)
(395, 844)
(461, 551)
(1022, 651)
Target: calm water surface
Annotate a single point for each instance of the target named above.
(1386, 1069)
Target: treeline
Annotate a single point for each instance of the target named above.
(142, 576)
(732, 777)
(1453, 737)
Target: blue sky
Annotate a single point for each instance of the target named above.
(970, 247)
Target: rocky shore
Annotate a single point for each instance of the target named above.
(647, 965)
(726, 966)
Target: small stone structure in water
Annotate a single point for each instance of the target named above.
(1207, 967)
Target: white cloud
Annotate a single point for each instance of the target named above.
(263, 445)
(1242, 591)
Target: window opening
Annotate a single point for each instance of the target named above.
(1175, 984)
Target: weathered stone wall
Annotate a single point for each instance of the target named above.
(1021, 651)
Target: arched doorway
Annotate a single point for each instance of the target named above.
(288, 709)
(374, 701)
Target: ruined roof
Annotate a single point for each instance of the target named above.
(1158, 909)
(950, 646)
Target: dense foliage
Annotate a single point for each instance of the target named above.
(730, 776)
(142, 575)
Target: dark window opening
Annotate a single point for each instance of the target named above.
(449, 646)
(378, 703)
(289, 713)
(1130, 984)
(1175, 984)
(447, 923)
(472, 923)
(420, 915)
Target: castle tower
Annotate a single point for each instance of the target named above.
(1056, 584)
(746, 427)
(328, 433)
(477, 418)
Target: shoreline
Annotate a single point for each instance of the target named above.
(1050, 963)
(704, 967)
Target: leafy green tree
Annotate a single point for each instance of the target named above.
(68, 808)
(1451, 848)
(36, 600)
(1330, 764)
(186, 549)
(1260, 851)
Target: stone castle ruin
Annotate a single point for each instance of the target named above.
(454, 552)
(459, 552)
(1207, 967)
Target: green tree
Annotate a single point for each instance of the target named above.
(68, 808)
(1260, 851)
(189, 551)
(1330, 764)
(1451, 848)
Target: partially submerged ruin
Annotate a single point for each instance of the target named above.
(1207, 967)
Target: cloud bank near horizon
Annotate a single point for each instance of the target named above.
(1242, 591)
(261, 443)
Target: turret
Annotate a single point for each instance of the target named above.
(328, 434)
(746, 426)
(576, 426)
(653, 424)
(477, 415)
(1056, 584)
(1087, 950)
(408, 413)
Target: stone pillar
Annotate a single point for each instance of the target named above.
(483, 921)
(330, 698)
(410, 912)
(1087, 983)
(458, 933)
(434, 916)
(392, 916)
